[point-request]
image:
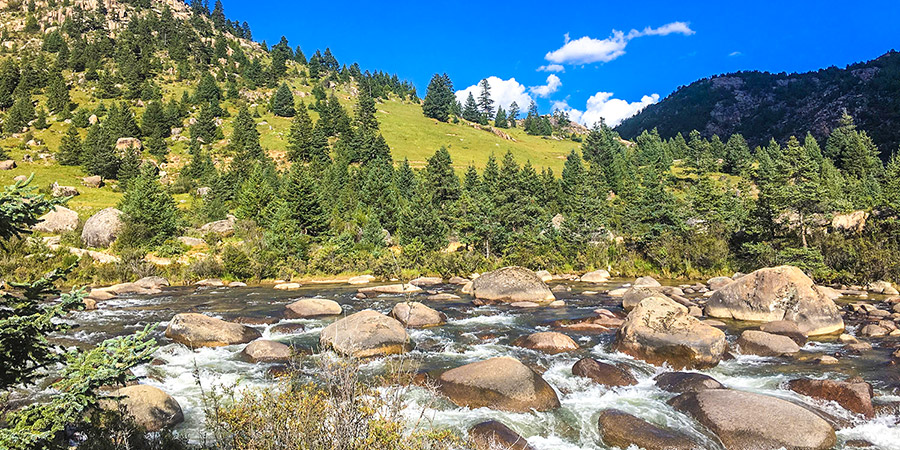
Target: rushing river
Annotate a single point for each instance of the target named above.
(472, 334)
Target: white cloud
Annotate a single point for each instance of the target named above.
(602, 106)
(553, 84)
(552, 68)
(735, 54)
(503, 93)
(587, 50)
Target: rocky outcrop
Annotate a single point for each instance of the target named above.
(59, 220)
(777, 293)
(151, 408)
(854, 396)
(101, 229)
(510, 285)
(681, 382)
(312, 307)
(853, 222)
(223, 227)
(502, 383)
(661, 331)
(548, 342)
(265, 351)
(493, 435)
(760, 343)
(623, 430)
(417, 315)
(748, 421)
(366, 334)
(198, 330)
(603, 373)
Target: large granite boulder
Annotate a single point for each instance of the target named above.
(635, 294)
(681, 382)
(547, 342)
(597, 276)
(510, 285)
(417, 315)
(151, 408)
(265, 351)
(224, 227)
(198, 330)
(748, 421)
(760, 343)
(778, 293)
(101, 229)
(854, 396)
(661, 331)
(502, 383)
(603, 373)
(366, 334)
(312, 307)
(493, 435)
(58, 220)
(620, 429)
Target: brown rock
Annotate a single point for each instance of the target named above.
(760, 343)
(198, 330)
(366, 334)
(493, 435)
(620, 429)
(101, 229)
(681, 382)
(852, 396)
(265, 351)
(510, 285)
(58, 220)
(603, 373)
(548, 342)
(502, 383)
(312, 307)
(151, 408)
(785, 328)
(417, 315)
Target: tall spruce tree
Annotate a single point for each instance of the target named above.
(300, 136)
(70, 148)
(283, 102)
(485, 102)
(470, 110)
(439, 98)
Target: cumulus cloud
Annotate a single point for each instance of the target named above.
(603, 106)
(503, 93)
(553, 84)
(587, 50)
(552, 68)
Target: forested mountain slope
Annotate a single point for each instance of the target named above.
(762, 105)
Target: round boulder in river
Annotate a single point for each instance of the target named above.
(312, 307)
(661, 331)
(603, 373)
(548, 342)
(366, 334)
(620, 429)
(502, 383)
(778, 293)
(748, 421)
(417, 315)
(198, 330)
(510, 285)
(681, 382)
(265, 351)
(101, 229)
(151, 408)
(493, 435)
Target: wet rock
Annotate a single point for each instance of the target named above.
(777, 293)
(312, 307)
(151, 408)
(198, 330)
(597, 276)
(518, 304)
(153, 282)
(210, 282)
(882, 287)
(458, 281)
(467, 288)
(288, 328)
(366, 334)
(745, 421)
(617, 293)
(265, 351)
(442, 297)
(493, 435)
(58, 220)
(101, 229)
(661, 331)
(101, 294)
(511, 284)
(827, 360)
(235, 284)
(760, 343)
(718, 282)
(287, 286)
(845, 338)
(852, 396)
(544, 275)
(389, 289)
(557, 304)
(646, 281)
(859, 347)
(858, 443)
(361, 279)
(682, 382)
(426, 281)
(620, 429)
(90, 304)
(873, 330)
(603, 373)
(501, 383)
(548, 342)
(417, 315)
(785, 328)
(245, 320)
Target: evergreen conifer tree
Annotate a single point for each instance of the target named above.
(439, 100)
(283, 102)
(70, 148)
(150, 213)
(470, 110)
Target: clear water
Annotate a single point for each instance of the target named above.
(473, 334)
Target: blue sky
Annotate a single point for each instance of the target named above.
(604, 72)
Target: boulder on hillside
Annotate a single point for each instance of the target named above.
(777, 293)
(366, 334)
(510, 285)
(58, 220)
(760, 343)
(417, 315)
(493, 435)
(265, 351)
(597, 276)
(151, 408)
(623, 430)
(748, 421)
(7, 164)
(681, 382)
(101, 229)
(312, 307)
(854, 396)
(658, 330)
(852, 222)
(502, 383)
(128, 144)
(63, 191)
(198, 330)
(548, 342)
(603, 373)
(224, 227)
(94, 181)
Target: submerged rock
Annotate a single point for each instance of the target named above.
(661, 331)
(511, 284)
(493, 435)
(603, 373)
(366, 334)
(502, 383)
(748, 421)
(417, 315)
(312, 307)
(620, 429)
(151, 408)
(681, 382)
(198, 330)
(778, 293)
(547, 342)
(852, 396)
(389, 289)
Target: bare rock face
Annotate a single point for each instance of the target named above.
(493, 435)
(603, 373)
(58, 220)
(417, 315)
(265, 351)
(101, 229)
(778, 293)
(510, 285)
(748, 421)
(502, 383)
(366, 334)
(548, 342)
(681, 382)
(854, 396)
(620, 429)
(661, 331)
(198, 330)
(760, 343)
(151, 408)
(312, 307)
(128, 144)
(853, 222)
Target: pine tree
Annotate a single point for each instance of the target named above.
(19, 115)
(405, 180)
(485, 103)
(40, 119)
(9, 79)
(255, 199)
(58, 94)
(804, 191)
(470, 110)
(737, 156)
(150, 213)
(300, 192)
(365, 111)
(244, 145)
(157, 147)
(204, 128)
(70, 148)
(420, 223)
(283, 102)
(154, 121)
(513, 114)
(440, 178)
(300, 136)
(218, 15)
(439, 98)
(208, 90)
(500, 118)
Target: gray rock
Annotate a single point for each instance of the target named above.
(511, 284)
(59, 220)
(501, 383)
(101, 229)
(198, 330)
(760, 343)
(366, 334)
